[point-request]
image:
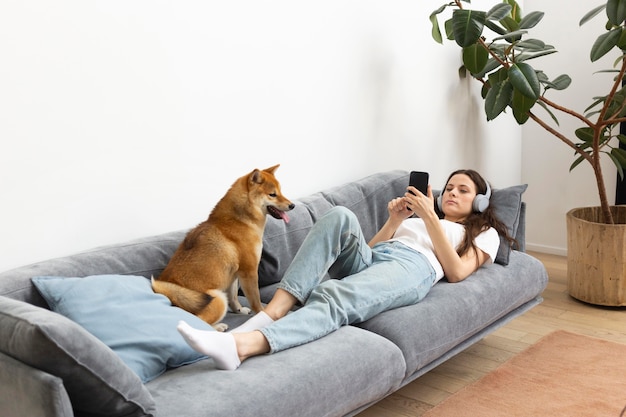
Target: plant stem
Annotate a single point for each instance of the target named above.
(594, 161)
(568, 111)
(559, 135)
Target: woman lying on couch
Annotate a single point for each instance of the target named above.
(398, 267)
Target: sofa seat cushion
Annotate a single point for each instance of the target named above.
(126, 315)
(452, 313)
(330, 377)
(95, 378)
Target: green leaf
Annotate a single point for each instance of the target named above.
(521, 105)
(597, 100)
(467, 26)
(499, 49)
(462, 72)
(531, 44)
(541, 76)
(448, 29)
(435, 31)
(490, 66)
(494, 27)
(621, 43)
(617, 104)
(591, 14)
(576, 163)
(547, 109)
(622, 138)
(511, 25)
(618, 163)
(485, 89)
(525, 56)
(499, 11)
(498, 98)
(531, 20)
(561, 82)
(620, 156)
(475, 58)
(585, 134)
(524, 79)
(516, 12)
(499, 76)
(616, 11)
(605, 43)
(606, 135)
(509, 35)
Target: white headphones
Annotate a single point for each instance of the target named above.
(480, 203)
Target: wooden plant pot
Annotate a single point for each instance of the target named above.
(596, 256)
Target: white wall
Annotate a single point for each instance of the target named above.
(553, 189)
(121, 119)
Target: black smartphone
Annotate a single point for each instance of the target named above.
(419, 180)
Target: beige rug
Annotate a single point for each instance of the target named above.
(563, 374)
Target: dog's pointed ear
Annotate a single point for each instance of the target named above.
(255, 176)
(272, 169)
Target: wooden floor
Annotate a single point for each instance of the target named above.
(558, 311)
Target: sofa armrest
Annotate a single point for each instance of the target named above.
(28, 391)
(96, 380)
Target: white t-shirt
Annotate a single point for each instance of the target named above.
(412, 232)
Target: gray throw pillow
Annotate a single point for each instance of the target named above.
(95, 378)
(507, 203)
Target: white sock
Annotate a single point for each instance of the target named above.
(256, 322)
(219, 346)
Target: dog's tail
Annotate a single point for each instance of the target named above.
(210, 306)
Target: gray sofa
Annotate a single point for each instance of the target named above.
(52, 366)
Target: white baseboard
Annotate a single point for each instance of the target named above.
(552, 250)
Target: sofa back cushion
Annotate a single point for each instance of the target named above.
(367, 198)
(145, 257)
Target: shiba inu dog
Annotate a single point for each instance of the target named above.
(204, 274)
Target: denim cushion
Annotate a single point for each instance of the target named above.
(126, 315)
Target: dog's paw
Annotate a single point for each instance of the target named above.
(220, 327)
(244, 310)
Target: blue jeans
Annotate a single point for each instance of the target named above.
(369, 280)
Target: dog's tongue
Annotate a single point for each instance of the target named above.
(284, 216)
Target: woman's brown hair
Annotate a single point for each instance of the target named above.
(477, 222)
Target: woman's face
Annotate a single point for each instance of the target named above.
(458, 197)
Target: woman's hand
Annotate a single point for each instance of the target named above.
(418, 203)
(398, 210)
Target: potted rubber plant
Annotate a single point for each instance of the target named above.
(500, 53)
